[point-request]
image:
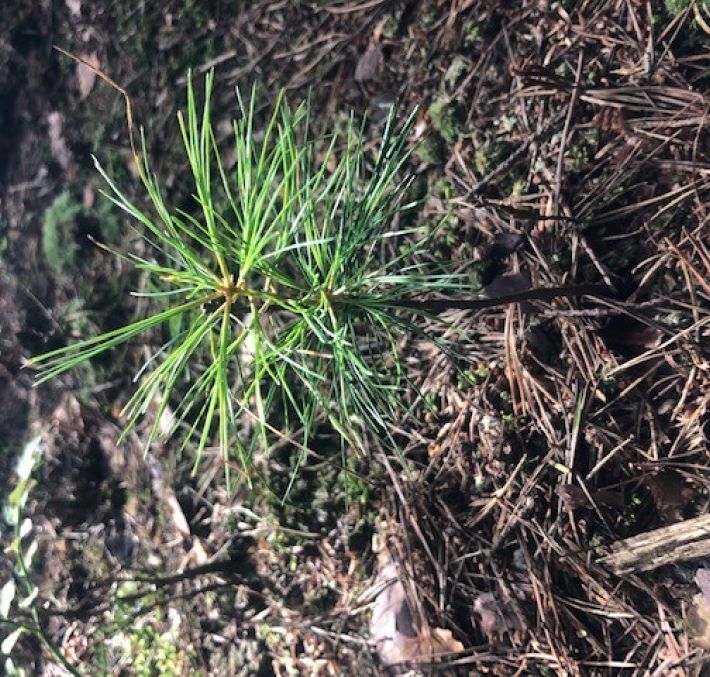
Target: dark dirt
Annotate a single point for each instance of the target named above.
(565, 140)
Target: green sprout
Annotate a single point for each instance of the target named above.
(280, 281)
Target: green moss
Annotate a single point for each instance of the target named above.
(455, 70)
(431, 150)
(430, 403)
(416, 193)
(518, 188)
(59, 233)
(151, 645)
(442, 188)
(675, 7)
(485, 157)
(3, 235)
(443, 120)
(155, 654)
(472, 377)
(472, 35)
(109, 220)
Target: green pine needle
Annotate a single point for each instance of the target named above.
(287, 310)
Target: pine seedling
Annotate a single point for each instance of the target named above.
(277, 277)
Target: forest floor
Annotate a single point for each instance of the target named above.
(557, 143)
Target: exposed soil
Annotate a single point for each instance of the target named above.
(558, 143)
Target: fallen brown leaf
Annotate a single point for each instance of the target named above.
(393, 629)
(670, 493)
(369, 64)
(576, 497)
(497, 617)
(697, 622)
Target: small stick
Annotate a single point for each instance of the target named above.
(538, 294)
(689, 539)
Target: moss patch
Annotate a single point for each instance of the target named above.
(59, 233)
(443, 119)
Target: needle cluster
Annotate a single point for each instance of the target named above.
(277, 276)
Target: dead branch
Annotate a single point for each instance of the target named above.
(689, 539)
